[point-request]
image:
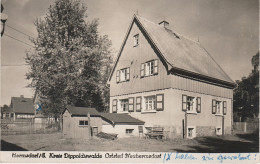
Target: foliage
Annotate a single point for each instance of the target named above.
(4, 109)
(70, 61)
(246, 95)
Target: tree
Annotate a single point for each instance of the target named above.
(4, 109)
(70, 59)
(246, 95)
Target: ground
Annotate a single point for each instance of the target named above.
(57, 142)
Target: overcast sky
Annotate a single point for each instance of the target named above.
(228, 29)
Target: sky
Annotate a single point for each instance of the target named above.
(228, 29)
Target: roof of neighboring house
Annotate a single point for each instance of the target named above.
(179, 52)
(82, 111)
(22, 105)
(115, 118)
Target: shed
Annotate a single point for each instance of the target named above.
(122, 124)
(76, 123)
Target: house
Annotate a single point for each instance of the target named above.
(77, 124)
(168, 80)
(121, 124)
(20, 108)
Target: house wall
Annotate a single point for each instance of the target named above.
(172, 117)
(121, 130)
(172, 86)
(72, 129)
(133, 57)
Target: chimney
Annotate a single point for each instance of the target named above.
(164, 23)
(22, 96)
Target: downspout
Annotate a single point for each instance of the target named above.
(185, 124)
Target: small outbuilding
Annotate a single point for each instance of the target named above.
(81, 122)
(121, 124)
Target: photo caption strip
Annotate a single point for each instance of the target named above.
(126, 157)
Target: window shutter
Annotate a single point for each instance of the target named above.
(159, 102)
(156, 66)
(117, 76)
(138, 104)
(128, 74)
(131, 104)
(114, 106)
(142, 70)
(224, 107)
(198, 104)
(184, 102)
(214, 106)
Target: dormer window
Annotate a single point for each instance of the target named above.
(136, 40)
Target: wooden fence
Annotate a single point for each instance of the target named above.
(11, 128)
(245, 127)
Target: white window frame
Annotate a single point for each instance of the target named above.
(149, 68)
(219, 108)
(129, 130)
(124, 102)
(193, 132)
(150, 101)
(83, 123)
(136, 40)
(123, 75)
(218, 132)
(191, 104)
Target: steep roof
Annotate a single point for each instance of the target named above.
(82, 111)
(180, 52)
(22, 105)
(115, 118)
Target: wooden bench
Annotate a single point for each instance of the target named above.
(154, 132)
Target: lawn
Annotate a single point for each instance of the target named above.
(57, 142)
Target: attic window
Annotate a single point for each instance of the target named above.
(136, 40)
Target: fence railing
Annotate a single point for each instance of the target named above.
(245, 127)
(10, 128)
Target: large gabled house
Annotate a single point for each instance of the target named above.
(167, 80)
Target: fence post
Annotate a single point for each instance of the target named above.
(245, 127)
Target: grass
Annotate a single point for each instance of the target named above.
(57, 142)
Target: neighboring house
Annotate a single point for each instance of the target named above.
(167, 80)
(76, 122)
(122, 124)
(20, 108)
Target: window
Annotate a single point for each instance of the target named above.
(191, 104)
(136, 40)
(123, 75)
(83, 122)
(129, 131)
(114, 106)
(124, 105)
(219, 107)
(7, 115)
(218, 131)
(149, 68)
(191, 132)
(150, 103)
